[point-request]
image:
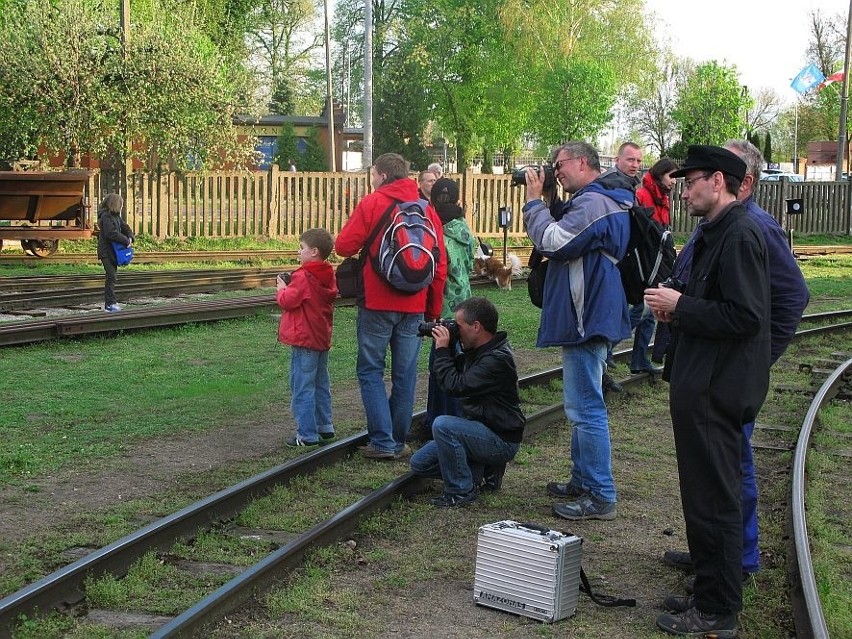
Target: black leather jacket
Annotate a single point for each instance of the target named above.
(486, 381)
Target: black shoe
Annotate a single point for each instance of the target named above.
(650, 369)
(678, 559)
(327, 436)
(586, 507)
(610, 362)
(693, 623)
(454, 501)
(610, 385)
(566, 491)
(675, 603)
(492, 478)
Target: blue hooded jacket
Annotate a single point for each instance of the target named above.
(583, 295)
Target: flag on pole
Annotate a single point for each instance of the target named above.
(834, 77)
(808, 78)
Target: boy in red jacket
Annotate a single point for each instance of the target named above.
(306, 323)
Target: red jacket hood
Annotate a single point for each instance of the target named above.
(324, 272)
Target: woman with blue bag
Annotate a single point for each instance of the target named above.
(114, 236)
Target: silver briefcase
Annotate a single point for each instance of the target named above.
(528, 570)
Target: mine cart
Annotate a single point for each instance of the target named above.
(41, 208)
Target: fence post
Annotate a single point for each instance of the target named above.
(273, 227)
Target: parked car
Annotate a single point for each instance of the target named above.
(777, 176)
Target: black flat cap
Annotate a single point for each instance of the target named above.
(711, 158)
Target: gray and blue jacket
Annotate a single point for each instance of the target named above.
(583, 295)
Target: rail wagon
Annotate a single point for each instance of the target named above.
(40, 208)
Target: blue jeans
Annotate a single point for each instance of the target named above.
(456, 443)
(643, 321)
(582, 369)
(751, 553)
(310, 390)
(388, 418)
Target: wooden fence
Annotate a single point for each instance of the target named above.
(280, 204)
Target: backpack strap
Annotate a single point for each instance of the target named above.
(365, 250)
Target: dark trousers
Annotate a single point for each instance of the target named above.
(111, 271)
(437, 401)
(709, 449)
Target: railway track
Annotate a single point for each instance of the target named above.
(65, 588)
(165, 257)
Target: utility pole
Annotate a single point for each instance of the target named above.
(332, 164)
(844, 98)
(367, 155)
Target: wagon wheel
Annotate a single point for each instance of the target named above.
(42, 248)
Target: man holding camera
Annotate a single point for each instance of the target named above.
(584, 309)
(485, 380)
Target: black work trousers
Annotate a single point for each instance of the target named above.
(111, 270)
(709, 444)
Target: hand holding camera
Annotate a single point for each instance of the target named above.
(283, 280)
(663, 300)
(443, 331)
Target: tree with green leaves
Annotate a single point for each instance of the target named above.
(711, 105)
(287, 147)
(767, 147)
(286, 36)
(68, 87)
(315, 157)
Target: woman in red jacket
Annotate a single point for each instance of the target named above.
(655, 189)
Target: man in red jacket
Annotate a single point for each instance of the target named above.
(386, 316)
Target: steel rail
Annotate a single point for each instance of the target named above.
(810, 621)
(161, 257)
(66, 584)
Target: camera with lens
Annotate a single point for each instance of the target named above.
(424, 329)
(519, 176)
(285, 277)
(675, 283)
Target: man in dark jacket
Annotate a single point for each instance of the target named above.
(111, 229)
(789, 296)
(485, 380)
(718, 365)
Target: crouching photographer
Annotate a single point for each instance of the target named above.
(470, 452)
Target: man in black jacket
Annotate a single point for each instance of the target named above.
(718, 364)
(485, 380)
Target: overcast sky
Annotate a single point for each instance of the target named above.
(765, 39)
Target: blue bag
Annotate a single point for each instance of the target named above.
(123, 254)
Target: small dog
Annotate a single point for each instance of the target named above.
(494, 268)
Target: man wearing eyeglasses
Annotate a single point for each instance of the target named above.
(718, 365)
(583, 310)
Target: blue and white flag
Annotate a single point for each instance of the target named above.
(808, 78)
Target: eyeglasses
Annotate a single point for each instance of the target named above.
(556, 165)
(688, 182)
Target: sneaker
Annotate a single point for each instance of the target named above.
(405, 452)
(677, 603)
(112, 308)
(566, 491)
(296, 442)
(678, 559)
(492, 478)
(694, 623)
(375, 453)
(610, 385)
(586, 507)
(454, 501)
(327, 436)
